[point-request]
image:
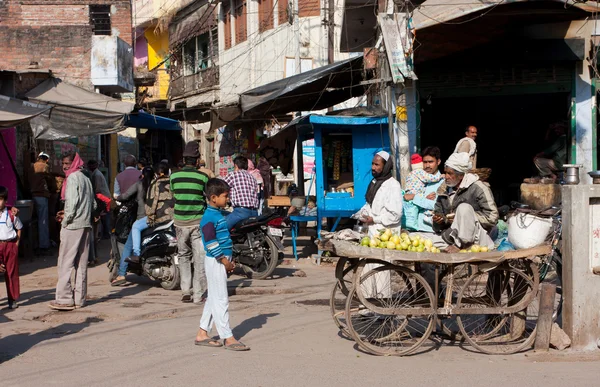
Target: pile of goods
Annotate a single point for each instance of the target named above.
(403, 242)
(476, 249)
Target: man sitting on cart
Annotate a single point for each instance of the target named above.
(468, 212)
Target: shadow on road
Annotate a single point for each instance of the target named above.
(250, 324)
(15, 345)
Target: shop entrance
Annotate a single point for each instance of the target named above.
(512, 130)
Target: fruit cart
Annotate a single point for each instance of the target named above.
(390, 301)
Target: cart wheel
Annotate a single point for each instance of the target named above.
(339, 293)
(462, 272)
(497, 332)
(390, 311)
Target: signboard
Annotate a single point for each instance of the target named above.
(397, 37)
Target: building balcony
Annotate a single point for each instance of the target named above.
(112, 64)
(189, 85)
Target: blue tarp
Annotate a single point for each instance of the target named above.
(145, 120)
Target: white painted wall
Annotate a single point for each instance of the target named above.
(261, 58)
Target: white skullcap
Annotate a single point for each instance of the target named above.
(383, 154)
(460, 162)
(42, 154)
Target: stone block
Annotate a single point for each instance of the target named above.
(558, 338)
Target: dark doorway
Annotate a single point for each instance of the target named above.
(512, 130)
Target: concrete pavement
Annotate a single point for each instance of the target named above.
(142, 335)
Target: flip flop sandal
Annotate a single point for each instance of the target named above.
(238, 347)
(61, 307)
(208, 343)
(118, 282)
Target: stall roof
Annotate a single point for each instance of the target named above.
(279, 149)
(142, 119)
(15, 111)
(313, 90)
(75, 111)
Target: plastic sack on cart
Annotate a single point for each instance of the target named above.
(526, 231)
(410, 216)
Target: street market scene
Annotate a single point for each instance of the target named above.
(344, 192)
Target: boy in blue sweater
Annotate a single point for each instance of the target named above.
(218, 245)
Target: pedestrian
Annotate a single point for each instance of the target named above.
(128, 177)
(75, 235)
(202, 168)
(10, 234)
(468, 145)
(218, 245)
(40, 182)
(244, 188)
(100, 188)
(188, 186)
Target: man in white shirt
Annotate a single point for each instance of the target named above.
(467, 145)
(384, 197)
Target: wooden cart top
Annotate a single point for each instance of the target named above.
(354, 251)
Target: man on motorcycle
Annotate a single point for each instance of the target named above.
(244, 192)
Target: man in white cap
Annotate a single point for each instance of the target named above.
(384, 197)
(40, 182)
(468, 212)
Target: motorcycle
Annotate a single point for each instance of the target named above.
(257, 245)
(158, 258)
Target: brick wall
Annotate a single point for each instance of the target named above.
(56, 34)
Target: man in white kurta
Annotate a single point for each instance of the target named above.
(382, 210)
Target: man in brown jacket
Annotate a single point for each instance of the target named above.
(40, 183)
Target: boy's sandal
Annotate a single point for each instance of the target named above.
(237, 347)
(208, 343)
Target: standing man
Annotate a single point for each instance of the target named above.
(202, 168)
(75, 235)
(100, 187)
(187, 186)
(128, 177)
(468, 145)
(243, 195)
(40, 183)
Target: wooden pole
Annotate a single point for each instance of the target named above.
(544, 323)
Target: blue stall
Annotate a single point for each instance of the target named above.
(344, 148)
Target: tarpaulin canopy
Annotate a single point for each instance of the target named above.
(313, 90)
(142, 119)
(75, 111)
(14, 111)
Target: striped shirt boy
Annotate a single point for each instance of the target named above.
(215, 234)
(187, 187)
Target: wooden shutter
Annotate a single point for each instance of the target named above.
(308, 8)
(226, 11)
(240, 21)
(265, 15)
(282, 9)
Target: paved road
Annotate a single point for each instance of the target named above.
(143, 336)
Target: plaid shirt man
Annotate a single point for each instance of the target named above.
(244, 189)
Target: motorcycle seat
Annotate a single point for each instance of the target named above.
(158, 227)
(251, 221)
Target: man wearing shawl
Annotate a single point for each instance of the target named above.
(384, 197)
(466, 214)
(467, 145)
(76, 232)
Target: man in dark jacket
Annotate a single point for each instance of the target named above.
(466, 215)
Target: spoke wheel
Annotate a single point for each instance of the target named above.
(390, 311)
(493, 331)
(339, 294)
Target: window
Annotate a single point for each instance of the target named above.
(240, 21)
(226, 12)
(265, 15)
(283, 11)
(100, 19)
(308, 8)
(197, 54)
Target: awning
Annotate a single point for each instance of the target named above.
(313, 90)
(145, 120)
(14, 111)
(75, 112)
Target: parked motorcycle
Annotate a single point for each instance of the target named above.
(158, 258)
(257, 245)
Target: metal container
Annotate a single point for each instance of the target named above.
(571, 175)
(362, 229)
(25, 210)
(332, 189)
(595, 175)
